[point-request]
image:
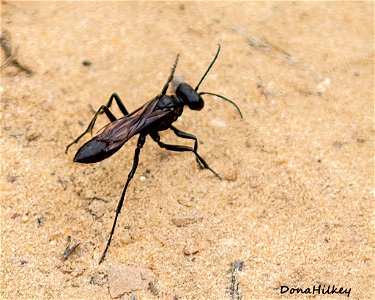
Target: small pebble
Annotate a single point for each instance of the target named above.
(86, 63)
(124, 279)
(323, 85)
(98, 279)
(33, 136)
(12, 178)
(218, 123)
(184, 221)
(17, 133)
(192, 247)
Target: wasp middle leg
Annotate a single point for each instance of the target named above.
(140, 143)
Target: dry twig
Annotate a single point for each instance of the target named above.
(10, 55)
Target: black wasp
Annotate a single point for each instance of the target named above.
(156, 115)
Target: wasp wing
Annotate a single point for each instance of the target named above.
(117, 133)
(114, 135)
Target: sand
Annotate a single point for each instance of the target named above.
(295, 206)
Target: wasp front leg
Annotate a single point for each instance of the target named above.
(180, 148)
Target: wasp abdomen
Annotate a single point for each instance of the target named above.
(93, 151)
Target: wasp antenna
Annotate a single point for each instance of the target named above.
(209, 68)
(175, 63)
(226, 99)
(165, 88)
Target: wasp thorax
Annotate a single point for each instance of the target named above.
(189, 96)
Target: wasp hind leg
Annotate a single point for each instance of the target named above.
(119, 102)
(101, 110)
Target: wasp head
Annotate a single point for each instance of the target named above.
(189, 96)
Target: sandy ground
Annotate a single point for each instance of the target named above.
(296, 203)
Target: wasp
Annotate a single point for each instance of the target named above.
(154, 116)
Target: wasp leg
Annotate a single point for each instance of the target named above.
(179, 148)
(165, 87)
(140, 143)
(110, 116)
(105, 109)
(119, 102)
(190, 136)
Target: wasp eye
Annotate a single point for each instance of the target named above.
(189, 96)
